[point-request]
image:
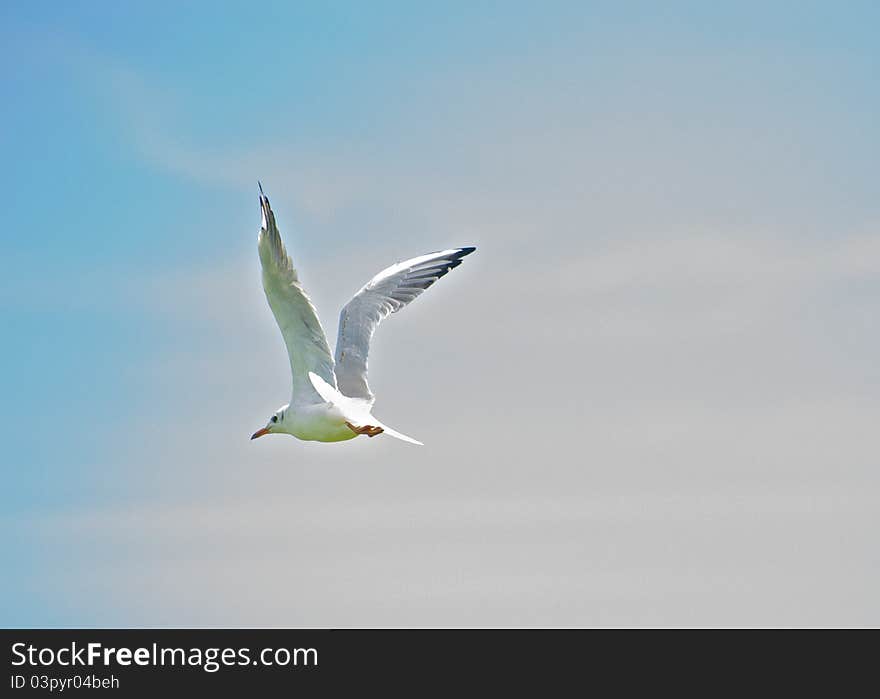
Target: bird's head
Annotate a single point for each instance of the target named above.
(275, 424)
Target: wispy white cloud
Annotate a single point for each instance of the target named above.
(538, 560)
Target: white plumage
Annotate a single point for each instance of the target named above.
(332, 400)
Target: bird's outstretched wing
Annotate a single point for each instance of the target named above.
(386, 293)
(293, 310)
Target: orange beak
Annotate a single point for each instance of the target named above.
(259, 433)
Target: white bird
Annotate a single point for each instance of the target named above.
(332, 401)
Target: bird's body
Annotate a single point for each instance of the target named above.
(317, 422)
(332, 401)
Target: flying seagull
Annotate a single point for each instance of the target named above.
(332, 400)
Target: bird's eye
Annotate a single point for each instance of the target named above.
(274, 418)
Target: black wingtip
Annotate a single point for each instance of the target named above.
(466, 251)
(264, 200)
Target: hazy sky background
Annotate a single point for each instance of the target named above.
(651, 397)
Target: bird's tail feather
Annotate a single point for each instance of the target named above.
(396, 434)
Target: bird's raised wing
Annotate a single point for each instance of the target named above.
(386, 293)
(293, 310)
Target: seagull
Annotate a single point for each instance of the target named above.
(332, 401)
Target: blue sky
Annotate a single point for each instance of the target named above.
(676, 207)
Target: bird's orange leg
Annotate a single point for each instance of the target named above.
(368, 430)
